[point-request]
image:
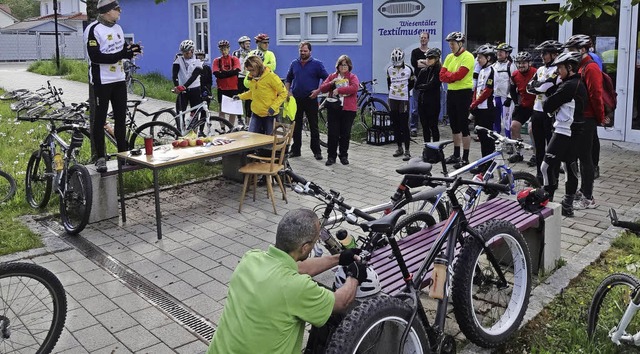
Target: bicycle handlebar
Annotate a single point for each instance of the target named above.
(503, 139)
(459, 180)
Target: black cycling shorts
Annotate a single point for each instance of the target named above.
(521, 114)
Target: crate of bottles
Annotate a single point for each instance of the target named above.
(376, 136)
(380, 119)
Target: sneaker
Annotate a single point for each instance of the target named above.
(516, 158)
(567, 205)
(532, 161)
(460, 164)
(452, 159)
(596, 172)
(407, 156)
(318, 156)
(399, 152)
(414, 133)
(330, 162)
(344, 160)
(584, 203)
(567, 211)
(579, 195)
(101, 165)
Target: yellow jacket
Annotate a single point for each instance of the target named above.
(265, 92)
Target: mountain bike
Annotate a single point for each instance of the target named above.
(54, 167)
(7, 187)
(612, 313)
(485, 270)
(134, 86)
(497, 170)
(34, 308)
(366, 103)
(198, 119)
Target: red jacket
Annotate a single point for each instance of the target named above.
(592, 76)
(350, 91)
(226, 70)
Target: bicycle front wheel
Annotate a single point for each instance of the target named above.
(7, 187)
(39, 179)
(13, 94)
(34, 308)
(488, 310)
(161, 132)
(75, 203)
(376, 326)
(609, 303)
(373, 104)
(413, 223)
(521, 180)
(216, 126)
(167, 115)
(136, 87)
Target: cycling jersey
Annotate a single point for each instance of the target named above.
(545, 78)
(502, 73)
(186, 70)
(105, 48)
(400, 81)
(457, 71)
(226, 69)
(483, 94)
(242, 55)
(269, 60)
(519, 83)
(567, 105)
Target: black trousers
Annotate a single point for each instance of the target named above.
(308, 106)
(429, 111)
(116, 93)
(339, 132)
(561, 148)
(458, 102)
(542, 130)
(399, 112)
(585, 156)
(485, 118)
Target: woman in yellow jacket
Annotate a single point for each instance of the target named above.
(266, 92)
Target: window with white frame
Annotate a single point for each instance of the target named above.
(200, 25)
(338, 24)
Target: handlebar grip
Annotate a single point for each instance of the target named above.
(498, 186)
(295, 177)
(631, 226)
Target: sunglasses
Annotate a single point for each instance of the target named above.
(117, 9)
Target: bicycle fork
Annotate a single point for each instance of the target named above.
(618, 334)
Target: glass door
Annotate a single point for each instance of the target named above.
(632, 124)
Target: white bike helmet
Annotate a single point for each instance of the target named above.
(455, 36)
(369, 287)
(397, 57)
(243, 39)
(186, 45)
(258, 53)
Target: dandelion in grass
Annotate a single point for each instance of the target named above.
(16, 162)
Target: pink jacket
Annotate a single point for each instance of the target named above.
(350, 92)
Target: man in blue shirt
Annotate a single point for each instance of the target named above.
(304, 76)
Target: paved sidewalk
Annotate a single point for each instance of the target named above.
(205, 236)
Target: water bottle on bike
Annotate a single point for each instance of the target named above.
(346, 240)
(471, 191)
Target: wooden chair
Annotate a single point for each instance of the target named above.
(268, 166)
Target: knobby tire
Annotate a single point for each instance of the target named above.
(76, 202)
(39, 179)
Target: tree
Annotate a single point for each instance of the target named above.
(578, 8)
(22, 9)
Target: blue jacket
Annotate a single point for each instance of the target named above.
(305, 78)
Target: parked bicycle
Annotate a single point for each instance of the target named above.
(7, 187)
(485, 270)
(54, 167)
(197, 119)
(366, 103)
(134, 86)
(34, 308)
(612, 313)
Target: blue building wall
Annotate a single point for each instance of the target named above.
(161, 28)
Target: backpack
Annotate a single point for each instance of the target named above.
(609, 94)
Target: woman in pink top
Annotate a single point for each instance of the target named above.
(342, 85)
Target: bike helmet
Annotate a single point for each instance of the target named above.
(523, 56)
(433, 53)
(533, 200)
(244, 39)
(455, 36)
(186, 45)
(369, 287)
(578, 41)
(550, 46)
(488, 51)
(223, 43)
(397, 57)
(261, 37)
(504, 46)
(199, 52)
(568, 57)
(258, 53)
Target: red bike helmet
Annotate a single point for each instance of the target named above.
(533, 200)
(261, 37)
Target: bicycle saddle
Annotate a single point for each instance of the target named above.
(415, 166)
(438, 145)
(385, 224)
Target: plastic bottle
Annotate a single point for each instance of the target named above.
(439, 277)
(345, 239)
(471, 191)
(58, 165)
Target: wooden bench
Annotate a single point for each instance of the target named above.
(544, 244)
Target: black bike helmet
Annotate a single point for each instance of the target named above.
(523, 56)
(568, 57)
(550, 46)
(433, 53)
(578, 41)
(533, 200)
(455, 36)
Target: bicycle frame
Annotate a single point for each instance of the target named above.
(195, 113)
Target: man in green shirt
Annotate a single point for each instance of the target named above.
(271, 294)
(457, 73)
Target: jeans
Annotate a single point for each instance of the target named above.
(414, 118)
(262, 125)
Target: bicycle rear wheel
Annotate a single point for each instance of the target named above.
(322, 126)
(161, 132)
(609, 303)
(217, 126)
(167, 115)
(75, 203)
(34, 308)
(438, 211)
(373, 104)
(39, 179)
(136, 87)
(13, 94)
(376, 326)
(413, 223)
(521, 180)
(7, 187)
(487, 311)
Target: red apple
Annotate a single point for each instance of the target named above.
(184, 143)
(175, 143)
(199, 142)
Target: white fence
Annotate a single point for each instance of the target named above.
(20, 47)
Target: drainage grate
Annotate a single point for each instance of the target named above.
(181, 313)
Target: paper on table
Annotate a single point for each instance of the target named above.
(231, 106)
